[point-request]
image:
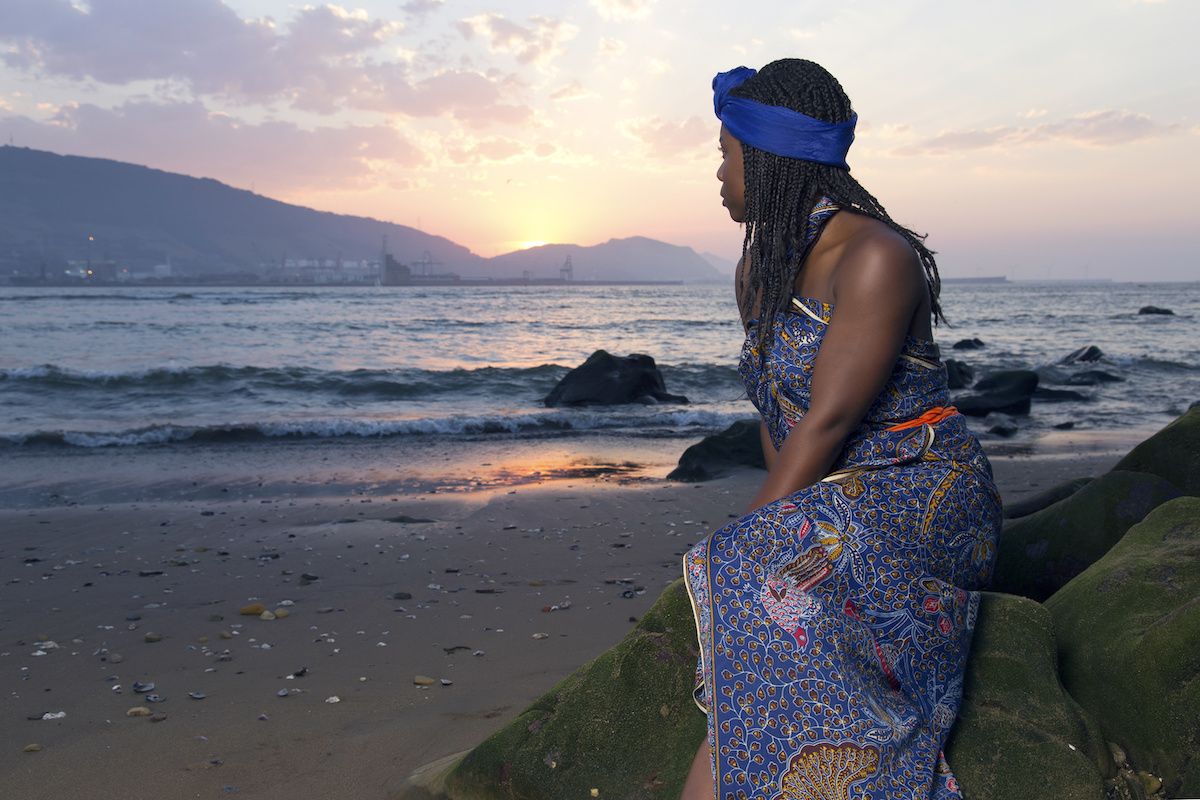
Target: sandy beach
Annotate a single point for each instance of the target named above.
(495, 589)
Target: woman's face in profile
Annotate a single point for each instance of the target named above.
(732, 176)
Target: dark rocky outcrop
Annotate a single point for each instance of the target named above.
(1001, 425)
(1083, 355)
(1128, 633)
(605, 379)
(974, 343)
(1156, 310)
(1172, 453)
(1007, 391)
(1019, 736)
(1047, 497)
(738, 445)
(959, 374)
(1040, 552)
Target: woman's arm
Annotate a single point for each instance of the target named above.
(768, 447)
(876, 292)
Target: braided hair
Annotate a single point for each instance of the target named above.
(780, 191)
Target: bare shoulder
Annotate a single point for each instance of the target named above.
(877, 261)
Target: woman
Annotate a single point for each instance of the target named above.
(835, 617)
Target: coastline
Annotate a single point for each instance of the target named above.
(178, 536)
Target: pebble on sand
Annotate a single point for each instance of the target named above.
(151, 638)
(139, 711)
(32, 748)
(266, 615)
(333, 699)
(252, 610)
(280, 613)
(423, 680)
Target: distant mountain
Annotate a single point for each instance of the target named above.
(50, 204)
(722, 265)
(634, 259)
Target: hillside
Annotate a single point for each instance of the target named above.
(50, 203)
(634, 259)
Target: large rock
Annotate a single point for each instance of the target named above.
(738, 445)
(605, 379)
(1083, 355)
(1007, 391)
(1172, 453)
(959, 374)
(1128, 633)
(1040, 552)
(1019, 736)
(624, 724)
(1156, 310)
(1047, 497)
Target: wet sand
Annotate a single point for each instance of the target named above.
(511, 586)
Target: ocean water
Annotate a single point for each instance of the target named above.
(142, 367)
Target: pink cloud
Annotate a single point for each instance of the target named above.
(185, 137)
(664, 138)
(321, 61)
(1091, 129)
(538, 43)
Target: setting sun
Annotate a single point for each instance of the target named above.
(527, 245)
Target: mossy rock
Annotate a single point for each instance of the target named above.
(1039, 553)
(1128, 632)
(1043, 499)
(624, 724)
(1172, 453)
(1019, 735)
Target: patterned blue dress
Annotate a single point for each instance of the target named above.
(835, 623)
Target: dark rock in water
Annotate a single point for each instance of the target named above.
(973, 343)
(1058, 395)
(1128, 632)
(1064, 426)
(621, 723)
(1036, 502)
(1092, 377)
(1172, 453)
(1156, 310)
(959, 374)
(1084, 355)
(605, 379)
(712, 456)
(1014, 725)
(1001, 425)
(1007, 391)
(1041, 552)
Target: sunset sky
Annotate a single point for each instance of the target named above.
(1032, 139)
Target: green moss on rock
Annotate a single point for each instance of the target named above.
(1128, 633)
(624, 724)
(1039, 553)
(1019, 735)
(1172, 453)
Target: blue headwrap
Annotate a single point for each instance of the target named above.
(780, 130)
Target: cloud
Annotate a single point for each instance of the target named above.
(323, 60)
(666, 139)
(539, 43)
(186, 137)
(420, 9)
(1091, 129)
(622, 10)
(570, 91)
(202, 42)
(610, 48)
(490, 149)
